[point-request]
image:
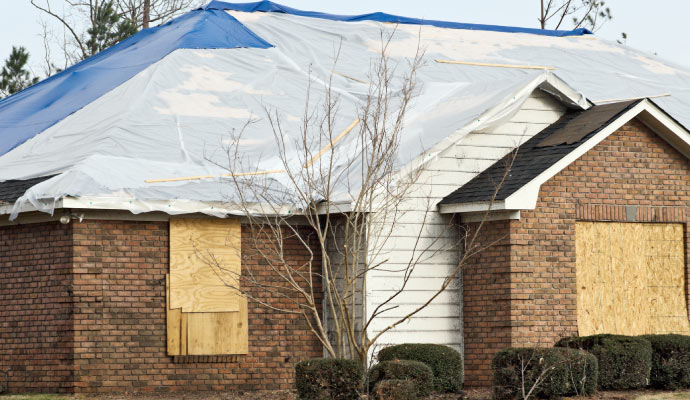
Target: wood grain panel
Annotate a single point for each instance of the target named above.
(630, 278)
(173, 322)
(218, 333)
(205, 263)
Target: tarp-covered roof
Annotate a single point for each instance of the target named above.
(42, 105)
(269, 6)
(165, 103)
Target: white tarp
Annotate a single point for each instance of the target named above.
(177, 117)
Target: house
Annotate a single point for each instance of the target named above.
(565, 153)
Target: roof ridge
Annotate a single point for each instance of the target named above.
(269, 6)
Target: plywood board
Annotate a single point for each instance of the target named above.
(173, 323)
(205, 263)
(205, 313)
(630, 278)
(218, 333)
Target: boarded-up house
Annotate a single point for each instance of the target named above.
(111, 184)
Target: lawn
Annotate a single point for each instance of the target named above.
(476, 394)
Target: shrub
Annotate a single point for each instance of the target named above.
(445, 363)
(328, 378)
(670, 361)
(624, 361)
(417, 372)
(395, 389)
(562, 372)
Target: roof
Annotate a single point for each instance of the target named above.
(70, 90)
(144, 125)
(11, 190)
(536, 155)
(269, 6)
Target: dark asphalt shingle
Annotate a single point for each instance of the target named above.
(538, 154)
(11, 190)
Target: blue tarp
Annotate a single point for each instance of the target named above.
(269, 6)
(35, 109)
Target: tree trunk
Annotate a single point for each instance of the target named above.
(147, 13)
(542, 19)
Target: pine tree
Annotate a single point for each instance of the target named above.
(14, 75)
(108, 28)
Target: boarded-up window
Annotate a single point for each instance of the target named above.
(206, 314)
(630, 278)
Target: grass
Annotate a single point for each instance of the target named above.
(598, 396)
(666, 396)
(33, 397)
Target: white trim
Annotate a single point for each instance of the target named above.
(142, 210)
(558, 88)
(334, 208)
(526, 197)
(490, 216)
(479, 206)
(669, 129)
(29, 218)
(6, 208)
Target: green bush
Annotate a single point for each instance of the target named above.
(562, 372)
(328, 378)
(395, 389)
(417, 372)
(445, 363)
(624, 361)
(670, 361)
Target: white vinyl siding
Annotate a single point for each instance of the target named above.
(441, 322)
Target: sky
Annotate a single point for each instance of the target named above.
(658, 29)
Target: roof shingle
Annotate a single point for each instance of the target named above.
(537, 154)
(11, 190)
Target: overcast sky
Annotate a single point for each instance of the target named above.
(657, 27)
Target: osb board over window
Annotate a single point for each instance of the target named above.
(630, 278)
(206, 313)
(205, 259)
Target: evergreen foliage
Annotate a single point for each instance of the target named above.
(108, 28)
(14, 76)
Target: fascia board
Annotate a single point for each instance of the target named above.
(471, 207)
(668, 128)
(6, 209)
(171, 207)
(558, 88)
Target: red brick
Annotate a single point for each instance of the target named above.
(522, 291)
(84, 313)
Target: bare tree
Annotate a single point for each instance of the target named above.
(346, 238)
(154, 12)
(590, 14)
(90, 26)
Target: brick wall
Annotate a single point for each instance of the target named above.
(114, 330)
(486, 299)
(633, 175)
(120, 338)
(35, 307)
